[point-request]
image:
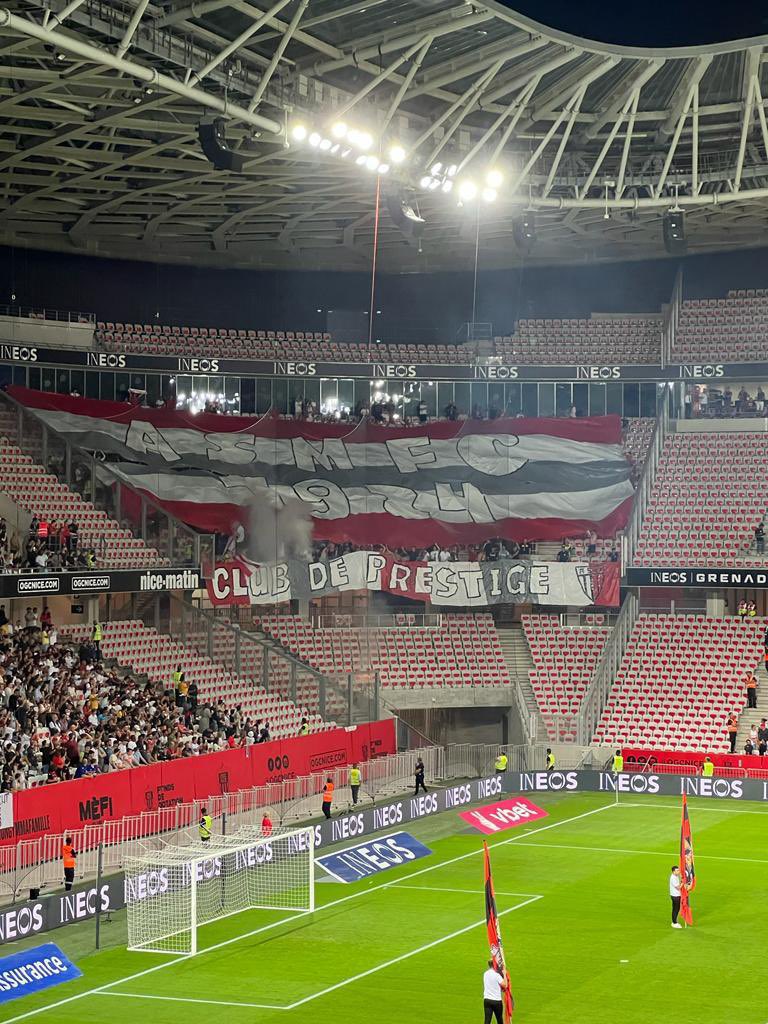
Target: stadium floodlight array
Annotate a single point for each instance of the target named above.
(173, 890)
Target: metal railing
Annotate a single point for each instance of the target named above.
(605, 672)
(262, 660)
(587, 620)
(650, 767)
(672, 320)
(94, 481)
(395, 620)
(36, 863)
(45, 313)
(644, 486)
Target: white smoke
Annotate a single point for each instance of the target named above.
(277, 530)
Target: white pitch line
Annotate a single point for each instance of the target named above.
(188, 999)
(697, 808)
(276, 924)
(339, 984)
(641, 853)
(406, 956)
(471, 892)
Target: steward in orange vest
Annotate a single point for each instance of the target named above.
(68, 855)
(327, 797)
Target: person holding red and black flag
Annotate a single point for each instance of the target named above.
(687, 867)
(497, 989)
(494, 987)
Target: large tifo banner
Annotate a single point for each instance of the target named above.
(446, 483)
(72, 805)
(452, 584)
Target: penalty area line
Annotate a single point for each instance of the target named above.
(406, 956)
(470, 892)
(295, 917)
(187, 999)
(330, 988)
(641, 853)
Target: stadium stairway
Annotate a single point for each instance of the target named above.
(752, 717)
(517, 655)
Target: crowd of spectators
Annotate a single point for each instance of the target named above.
(706, 401)
(491, 551)
(386, 412)
(47, 546)
(65, 714)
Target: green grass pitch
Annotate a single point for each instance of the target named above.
(585, 923)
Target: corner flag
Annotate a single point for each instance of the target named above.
(687, 868)
(494, 937)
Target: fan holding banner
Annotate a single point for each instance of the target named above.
(497, 990)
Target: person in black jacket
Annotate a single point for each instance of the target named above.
(419, 775)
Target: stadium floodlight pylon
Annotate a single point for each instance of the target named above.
(172, 890)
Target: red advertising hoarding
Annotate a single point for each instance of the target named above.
(642, 756)
(72, 805)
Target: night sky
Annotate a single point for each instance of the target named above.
(650, 23)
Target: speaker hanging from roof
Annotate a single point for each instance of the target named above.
(213, 143)
(673, 231)
(524, 230)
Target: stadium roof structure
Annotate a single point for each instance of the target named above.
(100, 102)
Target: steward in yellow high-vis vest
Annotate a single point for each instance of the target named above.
(355, 779)
(708, 768)
(618, 762)
(205, 826)
(501, 762)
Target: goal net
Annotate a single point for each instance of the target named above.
(172, 891)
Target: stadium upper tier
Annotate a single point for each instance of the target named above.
(730, 329)
(250, 344)
(733, 329)
(709, 493)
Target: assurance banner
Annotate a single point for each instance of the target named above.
(456, 584)
(34, 970)
(446, 483)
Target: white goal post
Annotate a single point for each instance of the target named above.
(172, 890)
